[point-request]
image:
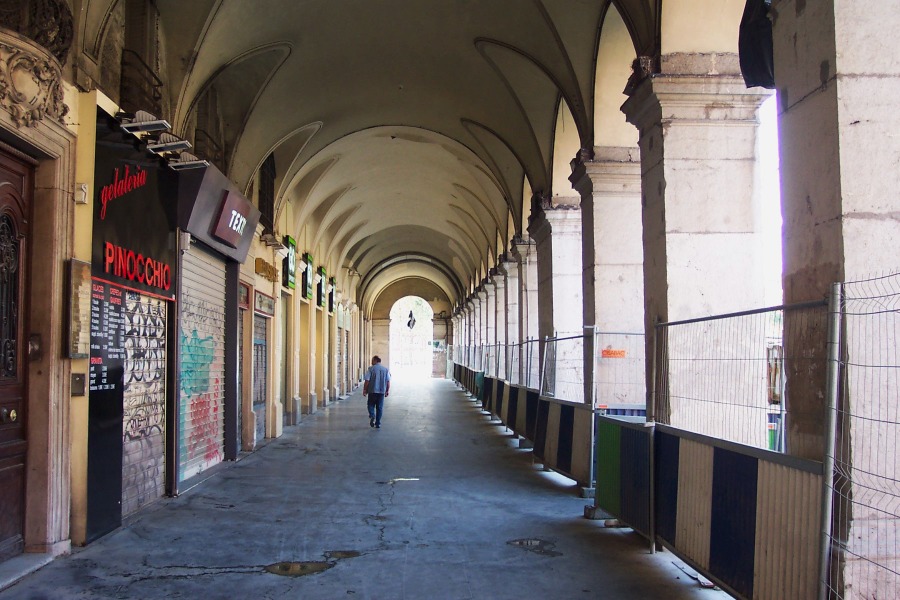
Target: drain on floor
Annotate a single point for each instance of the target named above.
(299, 569)
(537, 546)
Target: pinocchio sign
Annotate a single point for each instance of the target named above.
(134, 214)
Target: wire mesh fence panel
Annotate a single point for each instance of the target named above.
(531, 370)
(619, 369)
(490, 361)
(563, 369)
(865, 544)
(512, 364)
(727, 376)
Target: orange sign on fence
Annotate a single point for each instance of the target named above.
(610, 353)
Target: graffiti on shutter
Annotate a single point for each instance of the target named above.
(202, 340)
(143, 439)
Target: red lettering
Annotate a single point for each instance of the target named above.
(109, 255)
(121, 185)
(128, 264)
(96, 360)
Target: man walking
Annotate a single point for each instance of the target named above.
(377, 386)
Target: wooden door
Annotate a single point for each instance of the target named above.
(16, 184)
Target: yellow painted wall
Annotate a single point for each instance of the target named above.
(708, 26)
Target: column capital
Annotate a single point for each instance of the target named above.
(559, 220)
(689, 97)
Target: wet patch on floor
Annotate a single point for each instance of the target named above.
(339, 554)
(310, 567)
(538, 546)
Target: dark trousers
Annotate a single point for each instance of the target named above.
(375, 405)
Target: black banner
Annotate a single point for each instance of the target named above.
(135, 198)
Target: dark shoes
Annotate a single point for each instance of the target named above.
(378, 427)
(371, 421)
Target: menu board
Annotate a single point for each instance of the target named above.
(107, 338)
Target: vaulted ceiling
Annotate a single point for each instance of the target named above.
(407, 134)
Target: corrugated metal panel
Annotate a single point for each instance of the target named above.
(143, 451)
(695, 471)
(582, 446)
(551, 441)
(667, 457)
(733, 520)
(260, 373)
(609, 480)
(789, 503)
(512, 407)
(202, 353)
(635, 460)
(541, 428)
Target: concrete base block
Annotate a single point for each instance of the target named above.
(525, 444)
(588, 492)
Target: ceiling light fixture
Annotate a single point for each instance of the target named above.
(167, 142)
(142, 121)
(186, 160)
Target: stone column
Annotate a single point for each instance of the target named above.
(838, 118)
(698, 132)
(524, 252)
(500, 319)
(557, 231)
(490, 320)
(612, 257)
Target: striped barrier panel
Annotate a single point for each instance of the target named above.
(487, 396)
(623, 471)
(564, 439)
(748, 519)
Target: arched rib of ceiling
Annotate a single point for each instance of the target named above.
(418, 262)
(642, 17)
(410, 286)
(240, 83)
(370, 251)
(398, 189)
(332, 224)
(404, 271)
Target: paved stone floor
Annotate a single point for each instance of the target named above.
(425, 507)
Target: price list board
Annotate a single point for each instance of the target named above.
(107, 340)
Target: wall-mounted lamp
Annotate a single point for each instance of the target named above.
(142, 121)
(186, 160)
(166, 142)
(271, 240)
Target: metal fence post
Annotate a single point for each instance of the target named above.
(651, 397)
(833, 387)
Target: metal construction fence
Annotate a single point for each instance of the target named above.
(863, 548)
(727, 376)
(562, 372)
(620, 372)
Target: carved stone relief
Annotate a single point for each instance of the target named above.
(30, 82)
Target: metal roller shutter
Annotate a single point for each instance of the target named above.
(144, 397)
(201, 409)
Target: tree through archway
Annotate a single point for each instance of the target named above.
(411, 334)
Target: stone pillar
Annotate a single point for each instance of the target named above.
(524, 252)
(490, 320)
(471, 328)
(500, 319)
(839, 152)
(481, 331)
(557, 231)
(698, 128)
(612, 257)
